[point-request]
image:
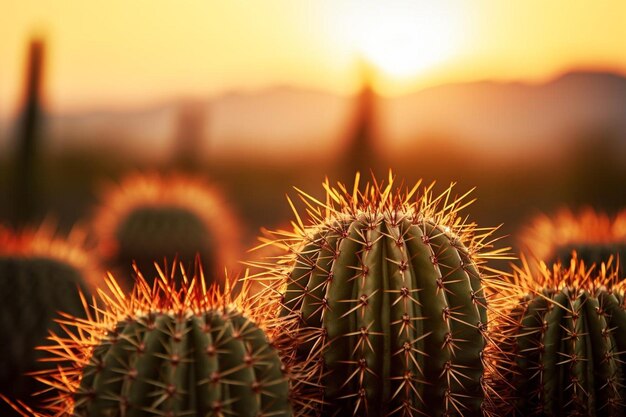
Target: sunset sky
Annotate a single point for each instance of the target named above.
(121, 53)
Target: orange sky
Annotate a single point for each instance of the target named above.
(122, 53)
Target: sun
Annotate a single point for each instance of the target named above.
(404, 38)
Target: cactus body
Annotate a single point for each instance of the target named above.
(390, 307)
(567, 343)
(170, 351)
(39, 276)
(211, 363)
(149, 218)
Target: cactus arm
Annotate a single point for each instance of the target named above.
(432, 299)
(175, 368)
(312, 307)
(147, 365)
(470, 268)
(616, 319)
(340, 290)
(407, 329)
(529, 354)
(84, 393)
(109, 381)
(299, 277)
(206, 364)
(467, 342)
(581, 363)
(370, 291)
(267, 368)
(234, 374)
(604, 363)
(552, 342)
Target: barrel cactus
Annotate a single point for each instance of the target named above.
(39, 275)
(594, 236)
(168, 350)
(149, 218)
(387, 295)
(566, 332)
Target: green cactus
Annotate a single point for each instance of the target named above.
(212, 363)
(389, 299)
(149, 218)
(36, 281)
(169, 351)
(567, 339)
(150, 234)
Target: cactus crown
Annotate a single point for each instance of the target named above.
(152, 217)
(43, 243)
(169, 349)
(593, 235)
(384, 295)
(40, 274)
(564, 337)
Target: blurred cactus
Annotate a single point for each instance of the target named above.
(168, 350)
(27, 139)
(387, 295)
(565, 334)
(191, 131)
(149, 218)
(594, 236)
(39, 276)
(362, 132)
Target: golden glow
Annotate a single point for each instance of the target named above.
(547, 235)
(188, 193)
(404, 38)
(120, 53)
(72, 350)
(43, 242)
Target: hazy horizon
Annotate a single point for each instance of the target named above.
(149, 51)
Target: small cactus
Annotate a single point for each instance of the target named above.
(565, 336)
(167, 350)
(149, 218)
(39, 275)
(594, 236)
(387, 295)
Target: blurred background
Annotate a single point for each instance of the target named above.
(525, 100)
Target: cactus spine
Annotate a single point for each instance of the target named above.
(168, 351)
(566, 338)
(594, 236)
(388, 299)
(149, 218)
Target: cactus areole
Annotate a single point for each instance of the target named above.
(390, 303)
(168, 351)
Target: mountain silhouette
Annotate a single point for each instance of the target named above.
(503, 118)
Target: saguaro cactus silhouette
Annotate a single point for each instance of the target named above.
(28, 134)
(360, 154)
